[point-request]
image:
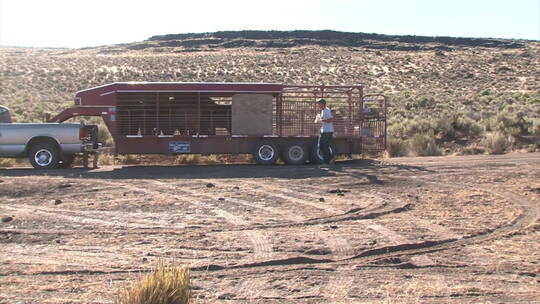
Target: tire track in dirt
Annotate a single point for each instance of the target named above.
(312, 192)
(284, 214)
(291, 196)
(529, 216)
(262, 247)
(383, 205)
(113, 219)
(339, 246)
(338, 287)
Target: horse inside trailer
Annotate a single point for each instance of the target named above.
(267, 120)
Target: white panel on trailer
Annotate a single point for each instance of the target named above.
(252, 114)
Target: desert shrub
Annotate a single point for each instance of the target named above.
(130, 159)
(467, 127)
(106, 159)
(104, 135)
(7, 162)
(396, 147)
(164, 285)
(497, 143)
(512, 123)
(472, 149)
(190, 159)
(444, 128)
(408, 127)
(424, 145)
(534, 127)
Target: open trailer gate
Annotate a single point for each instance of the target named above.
(266, 120)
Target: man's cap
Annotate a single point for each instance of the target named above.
(321, 101)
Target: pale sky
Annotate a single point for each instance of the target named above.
(82, 23)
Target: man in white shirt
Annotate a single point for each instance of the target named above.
(327, 131)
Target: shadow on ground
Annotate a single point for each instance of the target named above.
(356, 168)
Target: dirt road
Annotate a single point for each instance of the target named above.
(409, 230)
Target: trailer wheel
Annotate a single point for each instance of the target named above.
(316, 156)
(295, 153)
(43, 155)
(266, 152)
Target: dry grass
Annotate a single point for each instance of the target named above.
(424, 145)
(7, 162)
(396, 147)
(164, 285)
(497, 143)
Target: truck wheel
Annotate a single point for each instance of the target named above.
(266, 152)
(316, 156)
(43, 156)
(295, 153)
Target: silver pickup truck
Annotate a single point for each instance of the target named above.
(47, 145)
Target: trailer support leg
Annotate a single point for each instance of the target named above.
(85, 160)
(95, 160)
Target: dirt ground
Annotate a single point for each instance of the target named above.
(407, 230)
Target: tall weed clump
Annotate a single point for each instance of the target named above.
(164, 285)
(497, 143)
(396, 147)
(424, 145)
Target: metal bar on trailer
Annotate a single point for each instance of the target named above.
(157, 114)
(199, 113)
(326, 86)
(385, 122)
(279, 109)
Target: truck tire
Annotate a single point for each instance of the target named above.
(266, 152)
(295, 153)
(43, 155)
(315, 156)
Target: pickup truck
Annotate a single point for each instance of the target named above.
(47, 145)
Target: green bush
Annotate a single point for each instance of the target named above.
(396, 147)
(497, 143)
(424, 145)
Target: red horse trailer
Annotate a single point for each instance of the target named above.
(267, 120)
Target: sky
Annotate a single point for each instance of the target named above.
(85, 23)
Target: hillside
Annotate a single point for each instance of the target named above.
(456, 90)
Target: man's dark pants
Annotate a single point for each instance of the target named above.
(324, 145)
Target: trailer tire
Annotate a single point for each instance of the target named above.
(315, 156)
(266, 152)
(44, 155)
(295, 153)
